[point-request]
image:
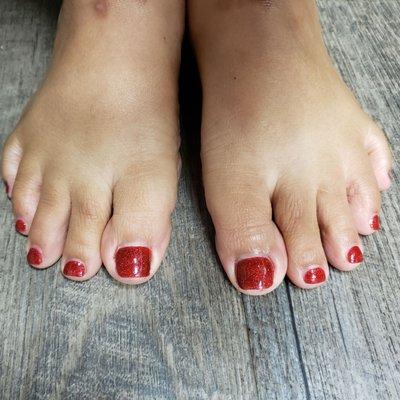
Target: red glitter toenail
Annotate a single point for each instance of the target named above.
(34, 256)
(133, 262)
(74, 268)
(255, 273)
(314, 276)
(20, 226)
(375, 223)
(355, 255)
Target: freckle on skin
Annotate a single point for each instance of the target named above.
(101, 7)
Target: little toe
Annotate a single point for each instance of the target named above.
(295, 212)
(340, 238)
(364, 198)
(380, 156)
(11, 158)
(90, 212)
(26, 193)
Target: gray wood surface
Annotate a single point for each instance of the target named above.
(188, 334)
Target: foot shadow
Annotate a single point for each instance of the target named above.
(49, 7)
(190, 97)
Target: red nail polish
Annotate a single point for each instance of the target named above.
(20, 226)
(133, 262)
(355, 255)
(74, 268)
(314, 276)
(255, 273)
(34, 256)
(375, 223)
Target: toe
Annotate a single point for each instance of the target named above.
(90, 211)
(25, 194)
(48, 230)
(249, 244)
(137, 235)
(339, 236)
(380, 156)
(295, 212)
(12, 155)
(364, 197)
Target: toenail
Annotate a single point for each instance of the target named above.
(20, 226)
(74, 268)
(314, 276)
(34, 256)
(375, 223)
(255, 273)
(355, 255)
(133, 262)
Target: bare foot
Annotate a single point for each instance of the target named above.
(292, 166)
(92, 166)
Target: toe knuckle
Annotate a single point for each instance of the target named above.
(291, 210)
(92, 209)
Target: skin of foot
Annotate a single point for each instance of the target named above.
(292, 166)
(92, 166)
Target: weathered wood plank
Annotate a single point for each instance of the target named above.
(188, 334)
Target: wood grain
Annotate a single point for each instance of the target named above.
(188, 334)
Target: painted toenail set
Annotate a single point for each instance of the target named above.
(255, 273)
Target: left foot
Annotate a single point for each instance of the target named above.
(292, 166)
(92, 166)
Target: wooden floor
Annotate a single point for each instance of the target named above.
(188, 334)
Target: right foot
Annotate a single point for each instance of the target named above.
(292, 166)
(92, 166)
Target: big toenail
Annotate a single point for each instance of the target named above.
(20, 226)
(355, 255)
(133, 262)
(314, 276)
(74, 268)
(34, 256)
(255, 273)
(375, 223)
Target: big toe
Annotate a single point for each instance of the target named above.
(249, 244)
(137, 235)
